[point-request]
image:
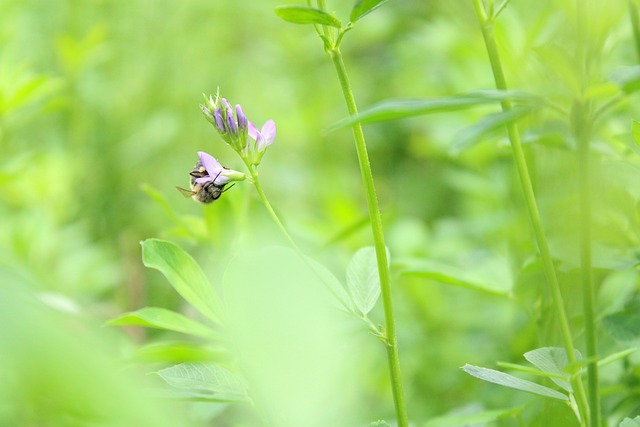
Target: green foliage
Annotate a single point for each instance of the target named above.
(161, 318)
(403, 108)
(506, 380)
(99, 122)
(363, 281)
(184, 274)
(362, 8)
(306, 15)
(205, 381)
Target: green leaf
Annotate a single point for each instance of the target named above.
(451, 275)
(184, 274)
(364, 7)
(628, 422)
(161, 318)
(471, 135)
(623, 325)
(478, 418)
(510, 381)
(552, 360)
(206, 379)
(307, 15)
(332, 283)
(363, 280)
(402, 108)
(635, 132)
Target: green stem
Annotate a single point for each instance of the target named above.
(267, 205)
(486, 25)
(588, 292)
(378, 238)
(582, 127)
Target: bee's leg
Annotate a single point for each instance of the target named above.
(226, 188)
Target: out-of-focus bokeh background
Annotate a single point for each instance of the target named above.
(99, 121)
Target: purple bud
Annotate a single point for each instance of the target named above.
(242, 119)
(219, 121)
(231, 123)
(227, 106)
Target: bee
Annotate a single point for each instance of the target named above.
(205, 192)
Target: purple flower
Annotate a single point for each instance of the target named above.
(216, 172)
(217, 115)
(265, 136)
(242, 119)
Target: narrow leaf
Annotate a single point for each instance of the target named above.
(184, 274)
(363, 280)
(205, 378)
(393, 109)
(552, 360)
(471, 135)
(510, 381)
(306, 15)
(161, 318)
(364, 7)
(452, 276)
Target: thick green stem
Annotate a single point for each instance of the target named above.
(378, 238)
(486, 25)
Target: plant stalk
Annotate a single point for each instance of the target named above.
(582, 128)
(486, 25)
(378, 238)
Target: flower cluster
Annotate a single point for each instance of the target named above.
(234, 128)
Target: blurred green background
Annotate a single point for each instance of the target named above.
(99, 121)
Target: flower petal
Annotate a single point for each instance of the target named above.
(221, 179)
(269, 131)
(253, 131)
(210, 163)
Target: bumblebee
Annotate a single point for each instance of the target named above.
(205, 192)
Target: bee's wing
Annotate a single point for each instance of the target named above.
(185, 192)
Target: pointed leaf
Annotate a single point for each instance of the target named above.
(332, 283)
(452, 275)
(470, 136)
(552, 360)
(510, 381)
(161, 318)
(393, 109)
(306, 15)
(363, 280)
(364, 7)
(184, 274)
(206, 378)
